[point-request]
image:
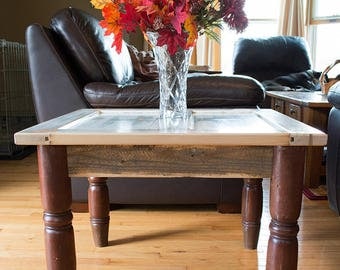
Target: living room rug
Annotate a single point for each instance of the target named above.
(319, 193)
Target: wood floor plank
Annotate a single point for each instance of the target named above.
(154, 237)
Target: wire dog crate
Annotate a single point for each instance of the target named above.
(16, 104)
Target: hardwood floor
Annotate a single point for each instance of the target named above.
(162, 238)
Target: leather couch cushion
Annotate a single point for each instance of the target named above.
(85, 43)
(203, 91)
(267, 58)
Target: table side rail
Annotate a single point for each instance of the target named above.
(164, 161)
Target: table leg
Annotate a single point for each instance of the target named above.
(252, 197)
(285, 206)
(313, 166)
(56, 195)
(99, 208)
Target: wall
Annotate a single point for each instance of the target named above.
(16, 15)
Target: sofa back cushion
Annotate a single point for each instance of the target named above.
(267, 58)
(89, 49)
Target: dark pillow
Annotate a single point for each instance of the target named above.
(301, 81)
(90, 50)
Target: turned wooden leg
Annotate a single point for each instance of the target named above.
(229, 208)
(285, 206)
(99, 208)
(313, 164)
(252, 197)
(56, 195)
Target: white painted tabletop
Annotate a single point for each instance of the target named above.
(244, 127)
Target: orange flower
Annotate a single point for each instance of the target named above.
(190, 27)
(112, 24)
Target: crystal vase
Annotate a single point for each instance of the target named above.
(173, 71)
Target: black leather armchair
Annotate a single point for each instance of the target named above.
(333, 149)
(73, 66)
(280, 63)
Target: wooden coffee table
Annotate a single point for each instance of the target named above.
(237, 143)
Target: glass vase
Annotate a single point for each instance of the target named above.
(173, 71)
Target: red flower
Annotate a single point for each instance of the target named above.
(130, 18)
(179, 17)
(234, 15)
(172, 39)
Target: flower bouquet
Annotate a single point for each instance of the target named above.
(177, 22)
(172, 28)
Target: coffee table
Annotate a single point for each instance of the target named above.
(238, 143)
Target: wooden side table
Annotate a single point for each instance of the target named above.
(313, 109)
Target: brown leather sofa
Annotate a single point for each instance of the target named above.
(333, 150)
(73, 66)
